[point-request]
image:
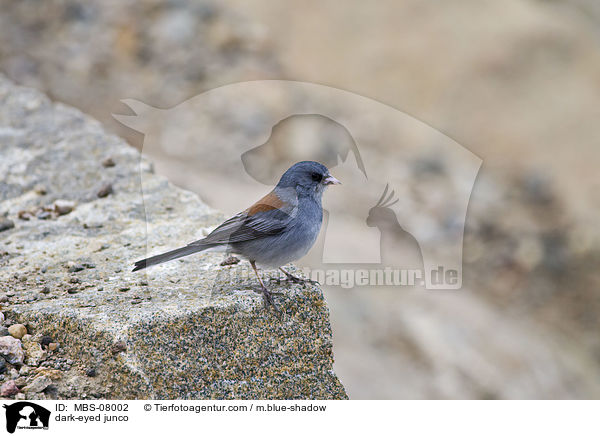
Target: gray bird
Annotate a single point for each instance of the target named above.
(279, 228)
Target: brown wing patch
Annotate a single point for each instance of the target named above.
(268, 202)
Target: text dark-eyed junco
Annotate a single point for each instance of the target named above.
(279, 228)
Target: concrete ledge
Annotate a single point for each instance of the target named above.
(188, 329)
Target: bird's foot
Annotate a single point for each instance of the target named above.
(268, 300)
(294, 279)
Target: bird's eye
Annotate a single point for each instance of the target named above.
(317, 177)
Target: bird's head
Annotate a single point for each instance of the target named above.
(307, 176)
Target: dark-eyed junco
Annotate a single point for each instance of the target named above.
(279, 228)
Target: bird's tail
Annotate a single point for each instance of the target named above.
(169, 255)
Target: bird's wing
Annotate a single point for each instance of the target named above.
(268, 216)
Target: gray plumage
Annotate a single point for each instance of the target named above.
(280, 228)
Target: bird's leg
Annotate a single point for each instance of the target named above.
(295, 279)
(267, 295)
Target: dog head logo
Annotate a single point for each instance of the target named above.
(26, 415)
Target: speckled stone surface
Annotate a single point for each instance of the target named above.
(187, 329)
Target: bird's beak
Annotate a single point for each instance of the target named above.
(330, 180)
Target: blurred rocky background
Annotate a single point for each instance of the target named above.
(516, 82)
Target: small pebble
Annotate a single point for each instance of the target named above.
(12, 350)
(25, 215)
(43, 215)
(93, 224)
(105, 190)
(76, 268)
(20, 382)
(38, 384)
(40, 190)
(108, 162)
(124, 289)
(45, 290)
(45, 341)
(231, 260)
(72, 290)
(118, 347)
(17, 331)
(53, 346)
(63, 207)
(91, 372)
(6, 224)
(9, 388)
